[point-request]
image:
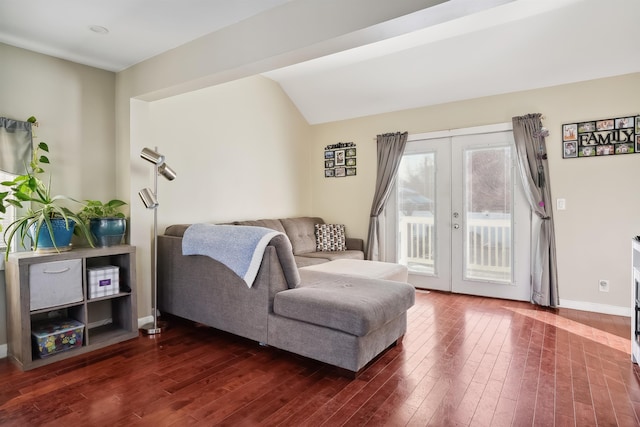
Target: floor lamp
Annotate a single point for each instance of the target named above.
(150, 199)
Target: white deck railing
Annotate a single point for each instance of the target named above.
(417, 242)
(488, 246)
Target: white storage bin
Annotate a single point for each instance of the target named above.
(55, 283)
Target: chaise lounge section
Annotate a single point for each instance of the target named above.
(342, 320)
(302, 301)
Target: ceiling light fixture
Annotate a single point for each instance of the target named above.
(98, 29)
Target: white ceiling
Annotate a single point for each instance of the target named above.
(138, 29)
(522, 45)
(465, 49)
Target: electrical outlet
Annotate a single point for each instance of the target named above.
(603, 285)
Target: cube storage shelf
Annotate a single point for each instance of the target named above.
(108, 320)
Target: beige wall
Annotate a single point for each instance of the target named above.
(241, 50)
(248, 129)
(240, 150)
(603, 211)
(75, 106)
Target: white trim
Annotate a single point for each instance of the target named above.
(144, 320)
(576, 305)
(614, 310)
(498, 127)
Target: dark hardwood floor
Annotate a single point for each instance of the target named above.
(464, 361)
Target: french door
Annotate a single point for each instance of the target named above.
(460, 218)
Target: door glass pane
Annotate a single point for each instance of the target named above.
(487, 212)
(416, 208)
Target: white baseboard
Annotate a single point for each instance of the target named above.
(614, 310)
(145, 320)
(575, 305)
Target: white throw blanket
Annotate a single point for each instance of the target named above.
(238, 247)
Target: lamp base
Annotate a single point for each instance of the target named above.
(151, 329)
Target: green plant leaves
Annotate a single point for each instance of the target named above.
(30, 188)
(97, 209)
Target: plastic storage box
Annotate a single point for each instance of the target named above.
(103, 281)
(56, 335)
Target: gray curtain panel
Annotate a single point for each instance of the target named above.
(390, 150)
(531, 153)
(15, 145)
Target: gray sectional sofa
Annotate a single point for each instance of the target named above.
(301, 234)
(295, 303)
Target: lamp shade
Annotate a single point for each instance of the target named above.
(148, 198)
(167, 172)
(152, 156)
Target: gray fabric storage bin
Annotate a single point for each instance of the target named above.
(55, 283)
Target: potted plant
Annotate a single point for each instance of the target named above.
(46, 221)
(106, 222)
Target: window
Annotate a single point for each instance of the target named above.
(7, 218)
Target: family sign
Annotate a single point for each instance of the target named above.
(601, 137)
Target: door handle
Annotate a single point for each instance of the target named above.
(456, 226)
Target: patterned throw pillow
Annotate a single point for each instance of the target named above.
(330, 237)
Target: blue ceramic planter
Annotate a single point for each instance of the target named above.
(61, 235)
(108, 231)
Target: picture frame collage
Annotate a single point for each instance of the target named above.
(604, 137)
(340, 160)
